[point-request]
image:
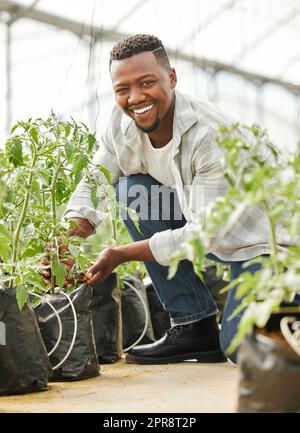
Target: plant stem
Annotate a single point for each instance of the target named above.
(10, 212)
(114, 229)
(53, 190)
(53, 211)
(23, 213)
(274, 249)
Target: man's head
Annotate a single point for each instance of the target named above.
(143, 80)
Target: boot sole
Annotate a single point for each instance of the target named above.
(202, 357)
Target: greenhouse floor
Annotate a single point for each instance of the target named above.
(128, 388)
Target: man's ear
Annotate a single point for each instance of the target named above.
(173, 77)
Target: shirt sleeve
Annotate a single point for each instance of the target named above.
(208, 184)
(80, 204)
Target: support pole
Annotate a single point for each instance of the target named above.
(8, 78)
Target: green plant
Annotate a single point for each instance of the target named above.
(41, 165)
(257, 175)
(112, 231)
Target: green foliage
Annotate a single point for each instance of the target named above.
(257, 175)
(43, 161)
(41, 165)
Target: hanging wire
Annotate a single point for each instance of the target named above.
(8, 78)
(129, 13)
(275, 26)
(91, 49)
(209, 20)
(70, 67)
(98, 78)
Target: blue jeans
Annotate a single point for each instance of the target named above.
(185, 297)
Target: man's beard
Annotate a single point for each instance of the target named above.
(151, 128)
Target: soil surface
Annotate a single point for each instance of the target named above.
(130, 388)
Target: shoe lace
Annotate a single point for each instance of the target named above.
(175, 331)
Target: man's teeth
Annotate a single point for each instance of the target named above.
(143, 110)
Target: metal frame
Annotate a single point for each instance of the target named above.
(113, 36)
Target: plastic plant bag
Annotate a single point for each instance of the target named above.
(269, 376)
(82, 361)
(106, 313)
(134, 314)
(24, 364)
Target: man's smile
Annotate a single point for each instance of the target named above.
(140, 111)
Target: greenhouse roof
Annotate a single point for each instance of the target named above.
(259, 37)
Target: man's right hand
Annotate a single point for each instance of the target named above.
(83, 229)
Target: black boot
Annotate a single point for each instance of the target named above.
(198, 340)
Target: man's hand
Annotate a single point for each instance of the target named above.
(110, 258)
(65, 256)
(107, 261)
(83, 229)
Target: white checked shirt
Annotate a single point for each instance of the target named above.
(196, 168)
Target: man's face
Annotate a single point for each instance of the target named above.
(143, 89)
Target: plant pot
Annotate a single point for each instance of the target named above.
(107, 322)
(135, 313)
(81, 362)
(24, 364)
(269, 374)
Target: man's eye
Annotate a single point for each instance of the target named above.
(147, 83)
(121, 91)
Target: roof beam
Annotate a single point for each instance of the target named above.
(274, 27)
(129, 13)
(113, 36)
(210, 19)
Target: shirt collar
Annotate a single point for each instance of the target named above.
(184, 117)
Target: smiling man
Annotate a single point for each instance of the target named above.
(160, 143)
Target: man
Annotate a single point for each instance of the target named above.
(157, 136)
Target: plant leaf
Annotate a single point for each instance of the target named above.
(21, 296)
(34, 135)
(60, 271)
(4, 248)
(106, 173)
(69, 150)
(91, 141)
(4, 231)
(78, 166)
(16, 152)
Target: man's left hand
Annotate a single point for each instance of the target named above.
(108, 260)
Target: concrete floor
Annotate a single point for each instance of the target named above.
(128, 388)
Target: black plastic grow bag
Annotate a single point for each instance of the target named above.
(269, 376)
(134, 314)
(107, 321)
(24, 364)
(82, 363)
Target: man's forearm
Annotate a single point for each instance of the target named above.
(139, 250)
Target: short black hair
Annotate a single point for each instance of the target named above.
(137, 44)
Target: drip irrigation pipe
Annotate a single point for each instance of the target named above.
(146, 317)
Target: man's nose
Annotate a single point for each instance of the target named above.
(136, 96)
